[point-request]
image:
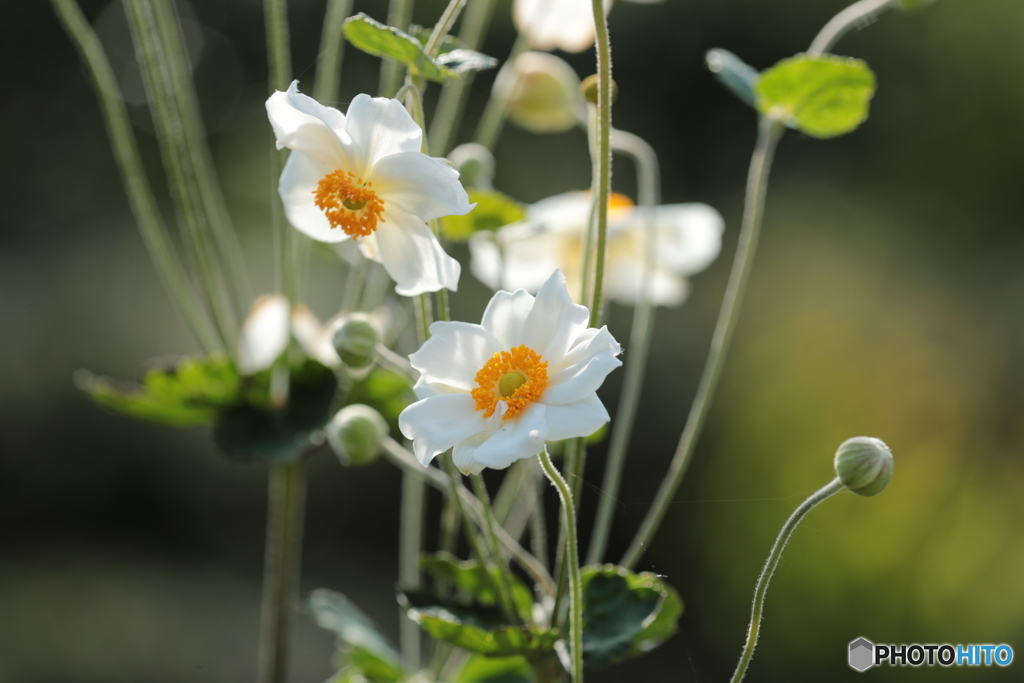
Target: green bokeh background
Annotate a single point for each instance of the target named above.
(886, 300)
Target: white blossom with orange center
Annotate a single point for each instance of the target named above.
(688, 238)
(361, 176)
(497, 391)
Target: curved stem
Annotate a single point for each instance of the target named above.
(399, 16)
(602, 180)
(774, 556)
(504, 589)
(332, 52)
(443, 26)
(757, 183)
(575, 586)
(648, 187)
(857, 15)
(492, 121)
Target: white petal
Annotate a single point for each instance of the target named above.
(316, 339)
(413, 257)
(378, 127)
(589, 344)
(420, 185)
(265, 334)
(454, 354)
(555, 321)
(689, 236)
(485, 259)
(550, 24)
(518, 438)
(624, 281)
(437, 423)
(464, 454)
(368, 247)
(505, 314)
(576, 381)
(298, 183)
(579, 418)
(304, 125)
(532, 253)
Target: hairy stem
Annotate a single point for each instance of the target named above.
(857, 15)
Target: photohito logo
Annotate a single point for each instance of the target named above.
(864, 654)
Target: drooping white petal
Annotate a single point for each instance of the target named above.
(518, 438)
(368, 247)
(437, 423)
(412, 256)
(689, 236)
(579, 418)
(265, 334)
(576, 381)
(554, 322)
(464, 454)
(419, 185)
(505, 314)
(454, 354)
(549, 24)
(304, 125)
(378, 127)
(298, 183)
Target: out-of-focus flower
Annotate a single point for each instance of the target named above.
(361, 176)
(556, 24)
(528, 373)
(543, 93)
(267, 331)
(523, 254)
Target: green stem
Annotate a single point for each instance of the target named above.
(286, 508)
(648, 187)
(774, 556)
(575, 586)
(492, 121)
(538, 528)
(858, 14)
(443, 26)
(603, 163)
(410, 546)
(332, 52)
(501, 566)
(154, 233)
(399, 16)
(770, 133)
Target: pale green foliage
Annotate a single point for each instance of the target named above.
(493, 210)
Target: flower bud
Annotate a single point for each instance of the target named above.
(589, 87)
(475, 164)
(356, 340)
(864, 465)
(542, 93)
(355, 434)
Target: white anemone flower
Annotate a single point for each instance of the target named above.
(497, 391)
(556, 24)
(523, 254)
(267, 331)
(362, 176)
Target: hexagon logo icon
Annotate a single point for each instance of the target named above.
(862, 654)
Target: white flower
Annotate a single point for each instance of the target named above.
(528, 373)
(563, 24)
(266, 333)
(361, 176)
(543, 93)
(523, 254)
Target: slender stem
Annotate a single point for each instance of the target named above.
(590, 236)
(154, 232)
(857, 15)
(774, 556)
(648, 188)
(410, 545)
(575, 586)
(538, 527)
(492, 121)
(757, 184)
(510, 491)
(286, 508)
(603, 163)
(443, 26)
(355, 278)
(501, 567)
(332, 52)
(399, 16)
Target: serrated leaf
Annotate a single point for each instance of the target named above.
(493, 210)
(384, 41)
(461, 61)
(470, 578)
(186, 394)
(737, 76)
(625, 614)
(823, 96)
(481, 669)
(476, 628)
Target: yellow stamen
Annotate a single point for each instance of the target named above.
(517, 377)
(349, 203)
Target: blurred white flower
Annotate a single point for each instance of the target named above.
(266, 333)
(523, 254)
(528, 373)
(361, 176)
(543, 93)
(556, 24)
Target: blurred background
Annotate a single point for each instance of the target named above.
(886, 300)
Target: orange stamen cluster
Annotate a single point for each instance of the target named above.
(349, 203)
(522, 360)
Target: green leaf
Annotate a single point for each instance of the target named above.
(736, 75)
(481, 669)
(823, 96)
(625, 614)
(379, 40)
(385, 391)
(186, 394)
(477, 628)
(364, 650)
(493, 210)
(469, 577)
(422, 35)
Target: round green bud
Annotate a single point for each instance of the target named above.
(542, 92)
(355, 434)
(475, 164)
(590, 85)
(864, 465)
(355, 340)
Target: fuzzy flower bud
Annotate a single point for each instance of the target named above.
(355, 340)
(355, 434)
(864, 465)
(542, 92)
(590, 85)
(475, 164)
